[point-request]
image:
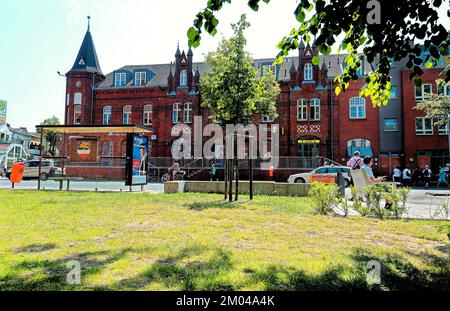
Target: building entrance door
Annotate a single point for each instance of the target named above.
(309, 151)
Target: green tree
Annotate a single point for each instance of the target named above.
(51, 137)
(383, 29)
(436, 107)
(232, 89)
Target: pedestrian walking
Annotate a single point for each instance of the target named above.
(406, 176)
(397, 174)
(442, 177)
(355, 162)
(426, 176)
(213, 172)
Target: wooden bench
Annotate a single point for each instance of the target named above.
(66, 179)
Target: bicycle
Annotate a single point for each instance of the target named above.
(168, 176)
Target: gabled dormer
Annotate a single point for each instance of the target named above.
(183, 75)
(308, 72)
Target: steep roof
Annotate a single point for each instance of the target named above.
(161, 71)
(87, 56)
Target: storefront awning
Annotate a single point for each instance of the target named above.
(365, 151)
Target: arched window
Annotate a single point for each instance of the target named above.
(148, 111)
(107, 115)
(357, 108)
(77, 114)
(183, 77)
(176, 117)
(126, 114)
(315, 109)
(302, 110)
(308, 71)
(187, 113)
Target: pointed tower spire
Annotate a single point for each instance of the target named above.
(87, 56)
(324, 66)
(302, 44)
(178, 52)
(190, 53)
(292, 70)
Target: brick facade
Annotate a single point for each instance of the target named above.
(421, 149)
(328, 136)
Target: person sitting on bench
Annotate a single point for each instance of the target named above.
(368, 163)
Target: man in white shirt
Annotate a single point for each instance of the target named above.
(397, 176)
(406, 175)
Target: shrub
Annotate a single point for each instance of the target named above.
(324, 197)
(373, 196)
(357, 202)
(396, 198)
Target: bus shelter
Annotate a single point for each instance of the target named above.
(95, 152)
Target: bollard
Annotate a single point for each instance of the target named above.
(340, 181)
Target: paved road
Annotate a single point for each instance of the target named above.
(421, 205)
(82, 185)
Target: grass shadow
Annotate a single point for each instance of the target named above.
(32, 274)
(36, 248)
(179, 271)
(200, 206)
(397, 273)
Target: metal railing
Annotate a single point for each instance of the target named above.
(284, 163)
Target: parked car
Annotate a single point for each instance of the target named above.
(48, 169)
(325, 171)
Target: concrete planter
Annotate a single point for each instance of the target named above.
(259, 187)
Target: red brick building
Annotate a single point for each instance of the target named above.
(313, 121)
(425, 143)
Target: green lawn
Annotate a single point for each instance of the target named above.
(128, 241)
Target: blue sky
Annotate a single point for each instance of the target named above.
(39, 38)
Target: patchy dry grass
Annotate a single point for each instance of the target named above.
(128, 241)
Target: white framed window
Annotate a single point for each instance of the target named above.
(126, 114)
(424, 126)
(187, 112)
(140, 78)
(148, 114)
(77, 98)
(120, 79)
(107, 115)
(77, 114)
(68, 100)
(423, 91)
(447, 90)
(271, 68)
(266, 119)
(302, 110)
(183, 77)
(176, 113)
(308, 71)
(315, 109)
(443, 129)
(361, 71)
(357, 108)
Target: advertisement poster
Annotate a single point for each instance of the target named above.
(137, 160)
(3, 106)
